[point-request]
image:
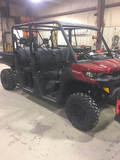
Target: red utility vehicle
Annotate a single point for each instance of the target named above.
(60, 62)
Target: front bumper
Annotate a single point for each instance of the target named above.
(109, 81)
(115, 93)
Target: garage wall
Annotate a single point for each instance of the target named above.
(111, 1)
(1, 45)
(5, 33)
(111, 18)
(7, 20)
(66, 6)
(112, 25)
(17, 10)
(83, 18)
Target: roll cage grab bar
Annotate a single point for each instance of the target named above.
(47, 26)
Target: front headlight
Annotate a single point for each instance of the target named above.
(90, 75)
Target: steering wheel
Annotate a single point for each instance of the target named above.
(84, 54)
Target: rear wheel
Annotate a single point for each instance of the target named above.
(82, 111)
(8, 79)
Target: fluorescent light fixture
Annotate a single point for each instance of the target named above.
(36, 1)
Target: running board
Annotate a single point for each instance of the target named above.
(28, 90)
(49, 98)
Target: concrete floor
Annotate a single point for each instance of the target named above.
(32, 129)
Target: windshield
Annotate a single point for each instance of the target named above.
(87, 44)
(84, 38)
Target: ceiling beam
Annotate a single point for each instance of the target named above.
(79, 11)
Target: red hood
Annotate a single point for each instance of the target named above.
(106, 66)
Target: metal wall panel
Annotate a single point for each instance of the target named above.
(16, 10)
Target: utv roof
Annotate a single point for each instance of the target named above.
(48, 24)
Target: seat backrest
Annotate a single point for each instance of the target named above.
(23, 55)
(49, 59)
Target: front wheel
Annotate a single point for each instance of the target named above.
(8, 79)
(82, 111)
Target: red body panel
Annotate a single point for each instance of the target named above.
(102, 66)
(118, 106)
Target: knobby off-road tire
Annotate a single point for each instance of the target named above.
(8, 79)
(82, 111)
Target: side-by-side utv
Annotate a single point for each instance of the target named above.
(61, 62)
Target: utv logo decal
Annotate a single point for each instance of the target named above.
(102, 65)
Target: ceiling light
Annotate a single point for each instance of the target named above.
(35, 1)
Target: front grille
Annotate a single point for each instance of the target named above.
(107, 76)
(115, 74)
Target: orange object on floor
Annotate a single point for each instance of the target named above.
(117, 116)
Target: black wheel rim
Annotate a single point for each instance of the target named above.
(78, 113)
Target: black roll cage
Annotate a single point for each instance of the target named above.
(48, 26)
